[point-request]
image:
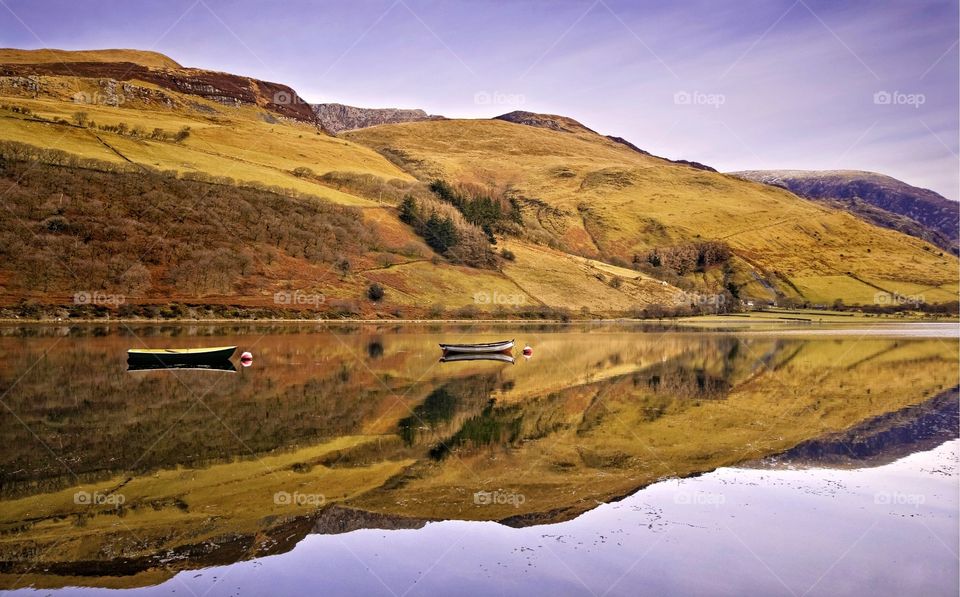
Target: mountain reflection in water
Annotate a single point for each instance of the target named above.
(124, 479)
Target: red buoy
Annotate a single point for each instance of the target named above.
(246, 359)
(527, 351)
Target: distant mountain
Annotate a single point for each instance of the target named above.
(880, 199)
(566, 124)
(337, 118)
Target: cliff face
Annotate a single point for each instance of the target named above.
(223, 88)
(339, 117)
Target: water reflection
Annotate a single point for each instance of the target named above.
(363, 427)
(213, 366)
(462, 357)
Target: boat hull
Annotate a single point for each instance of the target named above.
(486, 348)
(169, 357)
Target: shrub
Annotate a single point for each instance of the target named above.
(375, 292)
(446, 231)
(126, 229)
(508, 255)
(303, 172)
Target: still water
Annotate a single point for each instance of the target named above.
(350, 460)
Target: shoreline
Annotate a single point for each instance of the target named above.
(695, 321)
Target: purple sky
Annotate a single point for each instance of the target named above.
(737, 85)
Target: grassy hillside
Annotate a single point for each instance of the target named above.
(592, 196)
(47, 55)
(594, 225)
(130, 128)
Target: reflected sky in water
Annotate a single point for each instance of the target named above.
(356, 462)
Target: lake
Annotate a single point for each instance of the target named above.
(616, 460)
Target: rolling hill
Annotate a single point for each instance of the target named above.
(589, 195)
(581, 222)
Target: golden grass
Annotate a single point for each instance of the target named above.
(611, 201)
(144, 57)
(559, 279)
(233, 497)
(239, 146)
(624, 203)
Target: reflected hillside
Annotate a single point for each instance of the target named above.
(133, 476)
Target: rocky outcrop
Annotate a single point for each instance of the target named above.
(565, 124)
(553, 122)
(223, 88)
(337, 519)
(879, 199)
(337, 118)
